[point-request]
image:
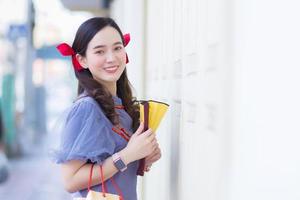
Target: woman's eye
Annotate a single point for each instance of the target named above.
(118, 48)
(100, 52)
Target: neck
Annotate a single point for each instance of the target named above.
(111, 87)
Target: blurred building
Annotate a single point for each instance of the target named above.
(13, 53)
(32, 73)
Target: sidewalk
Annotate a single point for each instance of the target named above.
(33, 177)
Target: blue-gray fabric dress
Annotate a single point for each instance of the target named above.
(88, 136)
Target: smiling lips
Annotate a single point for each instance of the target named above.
(111, 69)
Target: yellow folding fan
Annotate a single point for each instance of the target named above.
(151, 113)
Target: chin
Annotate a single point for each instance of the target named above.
(115, 76)
(112, 79)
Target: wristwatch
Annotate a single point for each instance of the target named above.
(118, 162)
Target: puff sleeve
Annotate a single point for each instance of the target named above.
(86, 135)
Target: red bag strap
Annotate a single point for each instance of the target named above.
(90, 178)
(117, 188)
(104, 190)
(102, 181)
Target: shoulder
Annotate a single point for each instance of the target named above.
(85, 106)
(86, 101)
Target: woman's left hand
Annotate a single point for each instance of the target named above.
(149, 160)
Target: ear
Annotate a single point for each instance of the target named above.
(82, 60)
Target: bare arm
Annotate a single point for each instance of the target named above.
(76, 173)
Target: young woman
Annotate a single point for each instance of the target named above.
(102, 127)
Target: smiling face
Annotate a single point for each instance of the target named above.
(105, 56)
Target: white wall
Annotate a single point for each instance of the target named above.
(130, 17)
(266, 161)
(229, 70)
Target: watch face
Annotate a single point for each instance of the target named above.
(120, 165)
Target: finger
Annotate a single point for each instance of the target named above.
(147, 169)
(155, 157)
(151, 158)
(149, 131)
(147, 134)
(140, 129)
(157, 149)
(154, 140)
(155, 146)
(151, 137)
(150, 140)
(159, 154)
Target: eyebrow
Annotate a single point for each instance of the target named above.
(101, 46)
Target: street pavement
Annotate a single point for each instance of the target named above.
(33, 177)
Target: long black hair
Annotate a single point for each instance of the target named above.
(96, 90)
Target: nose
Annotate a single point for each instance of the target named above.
(110, 57)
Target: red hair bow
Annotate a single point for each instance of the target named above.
(66, 50)
(126, 41)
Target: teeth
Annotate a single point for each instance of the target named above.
(110, 69)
